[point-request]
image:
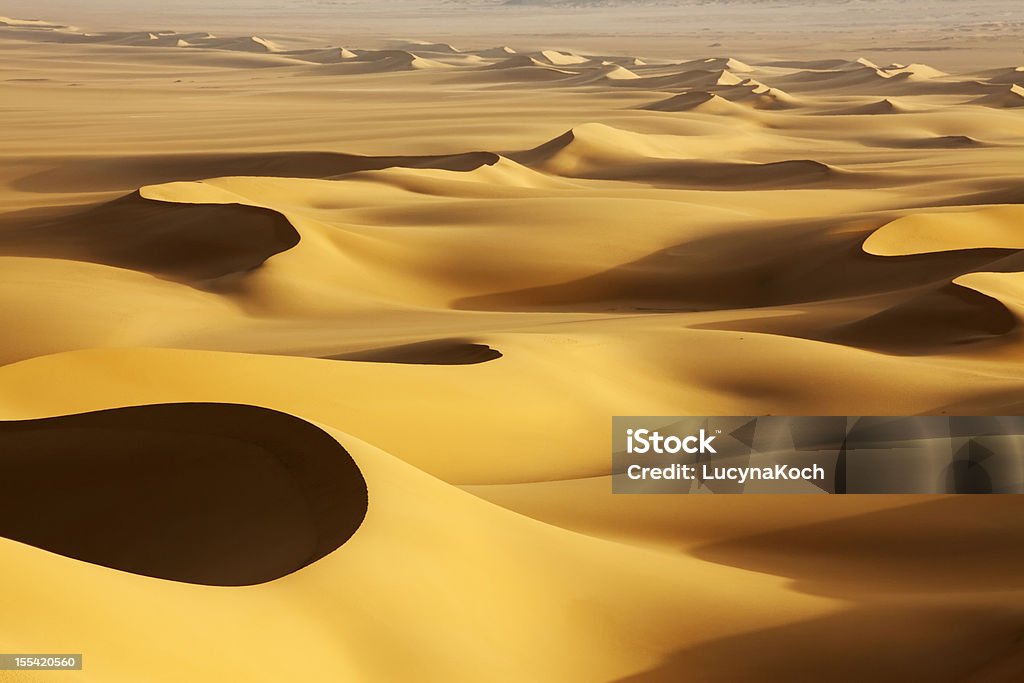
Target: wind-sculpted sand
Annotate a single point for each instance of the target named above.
(320, 345)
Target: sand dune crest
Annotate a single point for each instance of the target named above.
(1010, 97)
(186, 242)
(994, 227)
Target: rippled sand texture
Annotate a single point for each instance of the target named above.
(453, 265)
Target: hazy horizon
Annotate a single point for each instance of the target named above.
(944, 32)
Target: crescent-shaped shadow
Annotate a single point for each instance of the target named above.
(206, 493)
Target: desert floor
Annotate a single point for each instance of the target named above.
(460, 262)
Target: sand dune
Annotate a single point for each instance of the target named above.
(330, 55)
(703, 278)
(424, 46)
(1012, 75)
(561, 58)
(696, 78)
(246, 44)
(749, 93)
(700, 100)
(203, 493)
(519, 69)
(615, 72)
(719, 63)
(383, 61)
(56, 33)
(601, 152)
(120, 173)
(500, 52)
(520, 61)
(916, 71)
(730, 176)
(437, 352)
(941, 142)
(1010, 97)
(994, 227)
(185, 242)
(944, 317)
(760, 96)
(821, 64)
(598, 146)
(849, 75)
(107, 307)
(875, 558)
(886, 105)
(1006, 288)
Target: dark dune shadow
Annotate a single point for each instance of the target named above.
(942, 142)
(1011, 194)
(434, 352)
(930, 142)
(947, 316)
(885, 642)
(787, 265)
(205, 493)
(939, 319)
(724, 175)
(929, 588)
(184, 242)
(126, 173)
(955, 543)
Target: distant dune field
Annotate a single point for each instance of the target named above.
(312, 338)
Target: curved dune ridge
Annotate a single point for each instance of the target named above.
(184, 242)
(1011, 75)
(595, 146)
(519, 69)
(723, 63)
(990, 227)
(1010, 97)
(917, 71)
(782, 266)
(116, 173)
(611, 72)
(885, 105)
(722, 100)
(946, 316)
(862, 73)
(1006, 288)
(598, 151)
(329, 55)
(206, 493)
(517, 61)
(964, 310)
(689, 101)
(433, 352)
(561, 58)
(379, 61)
(760, 96)
(939, 142)
(713, 175)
